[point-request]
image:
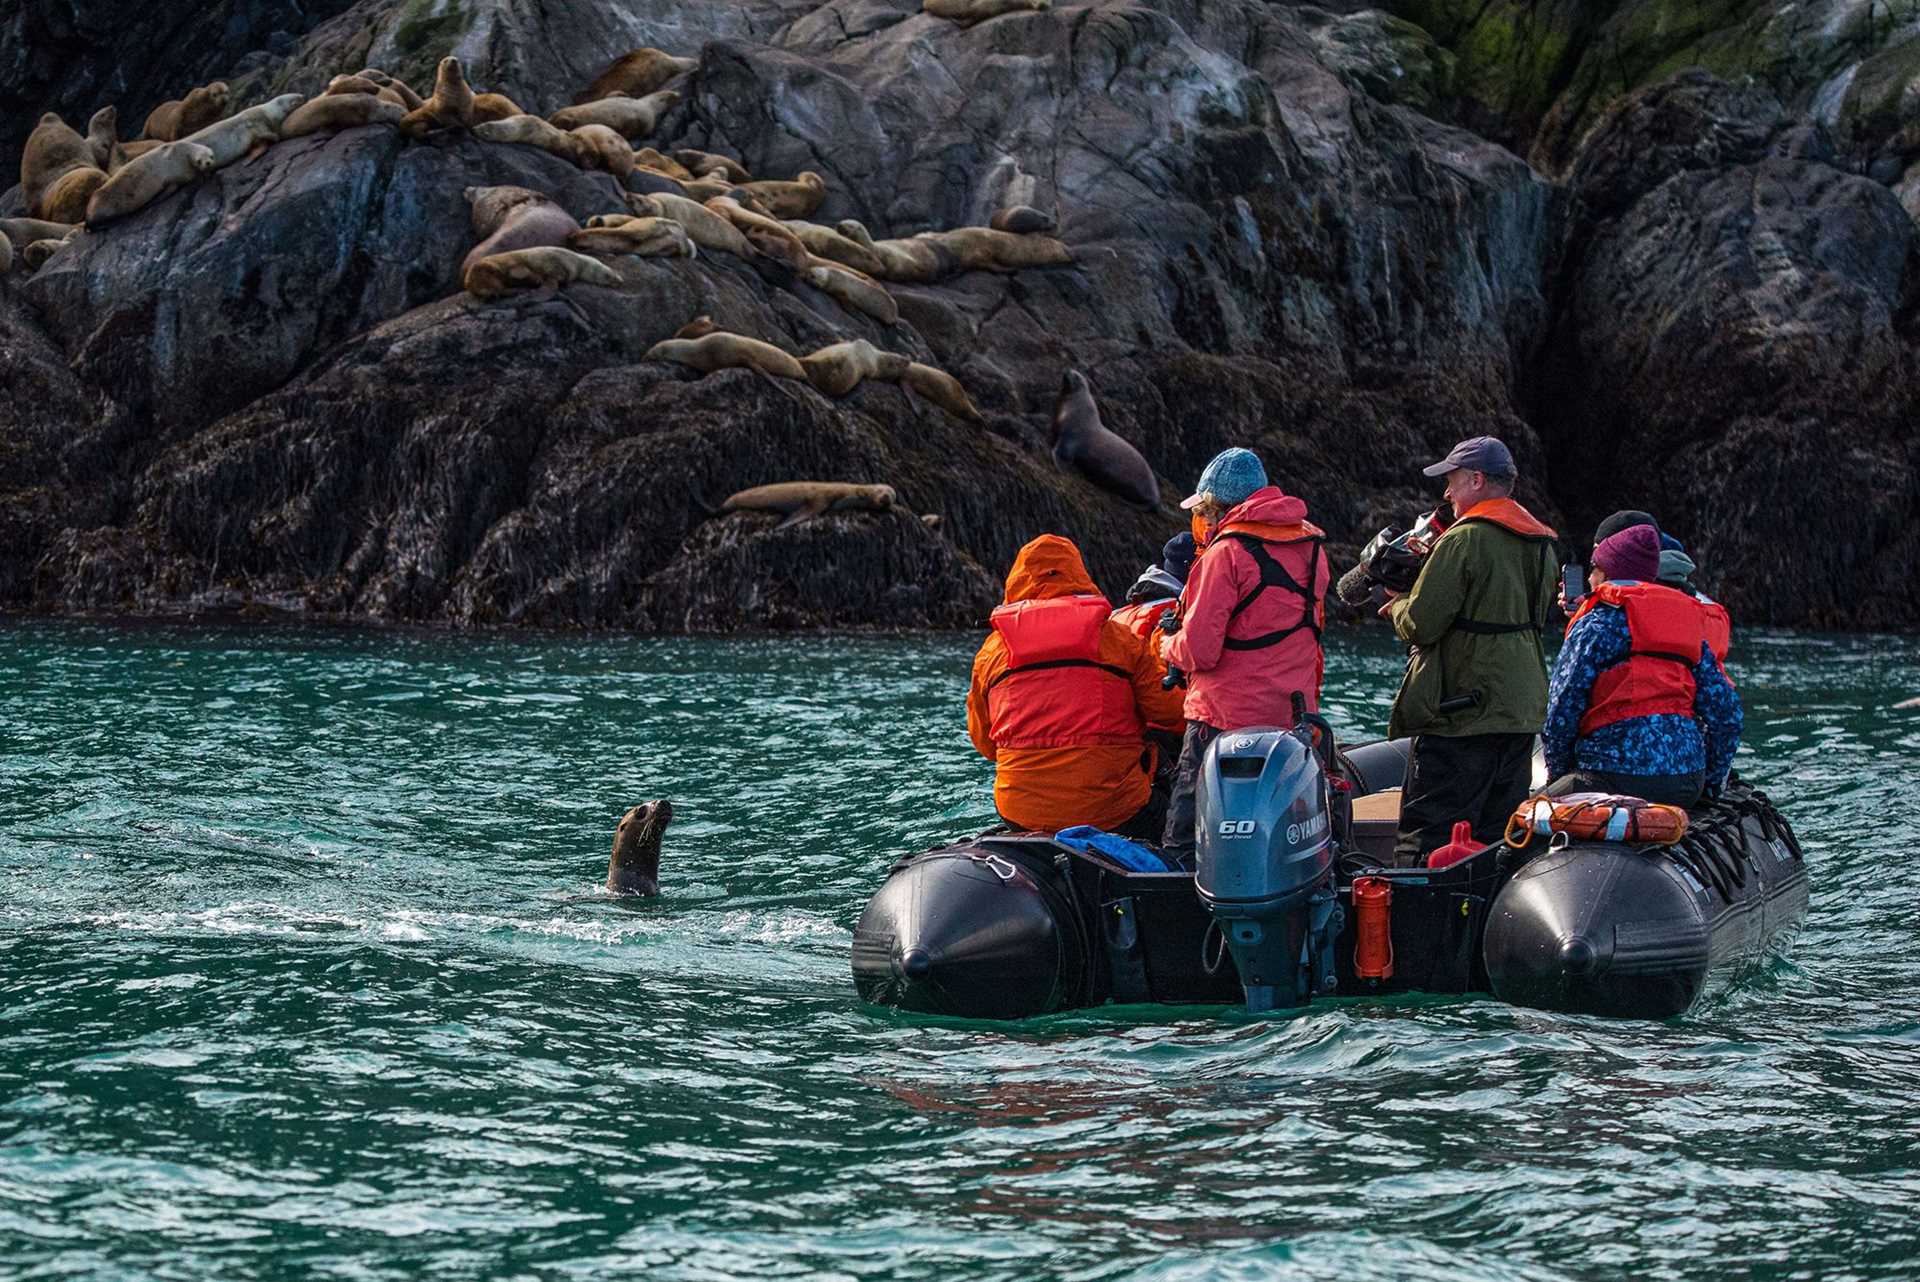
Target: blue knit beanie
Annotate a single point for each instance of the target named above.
(1229, 479)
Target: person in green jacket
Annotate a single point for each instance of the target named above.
(1475, 693)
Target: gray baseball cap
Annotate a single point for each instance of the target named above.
(1487, 454)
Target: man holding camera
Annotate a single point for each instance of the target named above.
(1475, 692)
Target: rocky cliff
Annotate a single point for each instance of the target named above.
(1301, 229)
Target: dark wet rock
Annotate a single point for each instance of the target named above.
(1692, 122)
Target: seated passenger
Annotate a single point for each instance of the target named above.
(1637, 703)
(1249, 624)
(1156, 592)
(1061, 700)
(1676, 571)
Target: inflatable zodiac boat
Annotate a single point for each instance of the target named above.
(1295, 897)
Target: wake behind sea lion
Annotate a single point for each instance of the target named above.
(634, 868)
(1083, 444)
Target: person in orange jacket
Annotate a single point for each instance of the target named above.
(1062, 699)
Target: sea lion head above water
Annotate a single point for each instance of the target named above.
(634, 868)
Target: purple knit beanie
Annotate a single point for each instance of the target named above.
(1633, 553)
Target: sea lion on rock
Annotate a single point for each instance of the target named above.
(853, 290)
(1083, 444)
(53, 150)
(1021, 220)
(177, 119)
(547, 267)
(247, 133)
(35, 256)
(837, 369)
(768, 235)
(629, 117)
(123, 152)
(795, 199)
(915, 261)
(401, 89)
(661, 164)
(708, 229)
(799, 500)
(723, 350)
(604, 148)
(711, 189)
(140, 182)
(646, 237)
(512, 218)
(66, 201)
(354, 84)
(531, 131)
(702, 163)
(968, 12)
(103, 136)
(651, 182)
(983, 249)
(699, 327)
(21, 232)
(637, 74)
(943, 389)
(495, 106)
(634, 868)
(825, 242)
(931, 520)
(451, 106)
(331, 113)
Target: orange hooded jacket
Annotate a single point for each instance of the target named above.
(1061, 698)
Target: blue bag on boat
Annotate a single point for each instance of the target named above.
(1130, 855)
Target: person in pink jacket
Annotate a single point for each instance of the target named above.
(1248, 630)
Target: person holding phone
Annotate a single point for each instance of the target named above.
(1475, 692)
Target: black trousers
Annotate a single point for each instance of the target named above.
(1667, 790)
(1477, 777)
(1178, 842)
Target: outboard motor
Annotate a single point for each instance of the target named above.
(1265, 863)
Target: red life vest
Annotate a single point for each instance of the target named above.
(1665, 630)
(1055, 692)
(1719, 629)
(1143, 617)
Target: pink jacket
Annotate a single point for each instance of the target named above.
(1232, 688)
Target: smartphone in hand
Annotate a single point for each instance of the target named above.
(1573, 586)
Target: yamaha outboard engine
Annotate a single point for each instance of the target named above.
(1265, 870)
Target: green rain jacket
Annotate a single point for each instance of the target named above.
(1474, 620)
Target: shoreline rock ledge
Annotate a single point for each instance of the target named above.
(268, 391)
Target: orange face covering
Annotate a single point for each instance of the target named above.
(1202, 531)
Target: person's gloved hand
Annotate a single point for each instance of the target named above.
(1170, 622)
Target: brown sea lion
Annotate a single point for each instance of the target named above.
(852, 290)
(331, 113)
(354, 84)
(646, 237)
(400, 88)
(103, 136)
(637, 74)
(798, 500)
(699, 327)
(451, 106)
(854, 230)
(125, 151)
(531, 131)
(629, 117)
(968, 12)
(651, 182)
(701, 163)
(837, 369)
(634, 868)
(35, 256)
(769, 236)
(248, 132)
(983, 249)
(1083, 444)
(506, 219)
(661, 164)
(140, 182)
(494, 108)
(711, 189)
(1021, 220)
(708, 229)
(53, 150)
(189, 115)
(722, 350)
(604, 148)
(825, 242)
(943, 389)
(915, 260)
(795, 199)
(21, 232)
(547, 267)
(66, 201)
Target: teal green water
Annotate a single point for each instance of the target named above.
(306, 975)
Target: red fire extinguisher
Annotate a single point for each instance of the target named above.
(1373, 928)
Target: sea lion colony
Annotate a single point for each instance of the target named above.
(676, 206)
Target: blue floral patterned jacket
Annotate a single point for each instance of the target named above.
(1656, 745)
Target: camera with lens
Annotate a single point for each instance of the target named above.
(1391, 561)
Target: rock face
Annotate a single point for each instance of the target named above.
(267, 391)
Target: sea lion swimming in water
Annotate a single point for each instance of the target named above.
(1083, 444)
(634, 868)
